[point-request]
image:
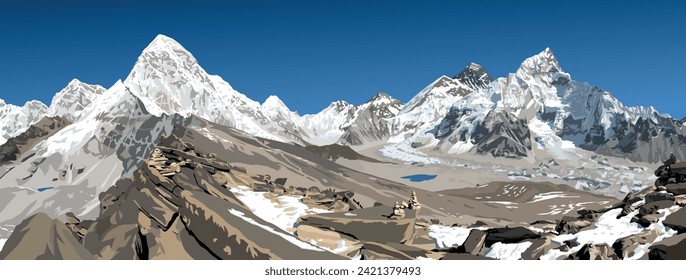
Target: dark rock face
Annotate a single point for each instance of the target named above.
(509, 235)
(474, 243)
(474, 76)
(503, 135)
(673, 248)
(42, 238)
(369, 224)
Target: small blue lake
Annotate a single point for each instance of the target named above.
(420, 177)
(45, 189)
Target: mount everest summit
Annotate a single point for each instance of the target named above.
(62, 158)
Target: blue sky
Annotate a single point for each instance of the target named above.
(311, 53)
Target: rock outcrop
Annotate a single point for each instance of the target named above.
(42, 238)
(369, 224)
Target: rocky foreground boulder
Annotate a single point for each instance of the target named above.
(670, 249)
(509, 235)
(474, 243)
(369, 224)
(42, 238)
(677, 221)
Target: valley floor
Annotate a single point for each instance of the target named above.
(579, 169)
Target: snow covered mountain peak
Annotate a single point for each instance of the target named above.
(163, 42)
(542, 63)
(383, 105)
(383, 99)
(35, 106)
(74, 82)
(277, 111)
(169, 80)
(432, 104)
(167, 77)
(339, 106)
(474, 75)
(70, 101)
(273, 102)
(380, 96)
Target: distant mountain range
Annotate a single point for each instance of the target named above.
(539, 107)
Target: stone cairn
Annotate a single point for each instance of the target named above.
(414, 203)
(399, 208)
(161, 163)
(398, 212)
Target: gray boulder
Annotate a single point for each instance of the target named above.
(673, 248)
(677, 221)
(509, 235)
(474, 243)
